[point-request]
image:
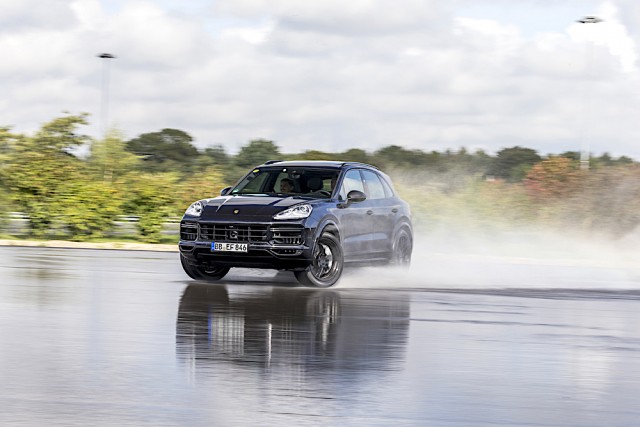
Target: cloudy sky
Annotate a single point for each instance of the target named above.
(332, 74)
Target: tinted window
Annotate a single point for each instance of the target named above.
(305, 182)
(388, 191)
(351, 181)
(375, 190)
(251, 184)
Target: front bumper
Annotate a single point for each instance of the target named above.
(275, 245)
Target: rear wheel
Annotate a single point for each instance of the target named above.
(326, 265)
(203, 272)
(402, 248)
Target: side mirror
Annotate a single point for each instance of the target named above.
(225, 191)
(354, 196)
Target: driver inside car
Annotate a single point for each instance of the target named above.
(286, 186)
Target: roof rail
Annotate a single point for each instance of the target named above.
(360, 164)
(269, 162)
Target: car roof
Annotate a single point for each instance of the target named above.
(315, 163)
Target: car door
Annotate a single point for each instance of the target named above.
(382, 213)
(355, 223)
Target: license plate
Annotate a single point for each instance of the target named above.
(229, 247)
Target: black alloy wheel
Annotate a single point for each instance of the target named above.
(196, 272)
(402, 248)
(326, 265)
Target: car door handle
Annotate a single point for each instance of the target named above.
(369, 212)
(394, 210)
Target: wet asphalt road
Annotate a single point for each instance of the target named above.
(94, 337)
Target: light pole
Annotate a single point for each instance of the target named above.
(104, 113)
(589, 20)
(584, 146)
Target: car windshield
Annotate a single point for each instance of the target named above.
(317, 183)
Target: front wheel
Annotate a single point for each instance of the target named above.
(203, 272)
(326, 265)
(402, 248)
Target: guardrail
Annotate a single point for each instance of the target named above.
(18, 224)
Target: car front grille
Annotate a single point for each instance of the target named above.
(234, 232)
(245, 233)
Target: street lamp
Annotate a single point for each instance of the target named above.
(589, 20)
(584, 149)
(104, 114)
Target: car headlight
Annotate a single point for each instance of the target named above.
(294, 212)
(195, 209)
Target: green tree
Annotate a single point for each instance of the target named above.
(624, 160)
(4, 209)
(169, 150)
(481, 161)
(573, 155)
(198, 186)
(89, 209)
(513, 163)
(354, 155)
(8, 142)
(40, 166)
(256, 152)
(312, 155)
(109, 159)
(395, 156)
(462, 162)
(215, 156)
(151, 198)
(607, 160)
(436, 161)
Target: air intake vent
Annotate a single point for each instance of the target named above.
(188, 231)
(287, 236)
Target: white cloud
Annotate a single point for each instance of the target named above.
(253, 35)
(25, 15)
(610, 34)
(330, 75)
(356, 18)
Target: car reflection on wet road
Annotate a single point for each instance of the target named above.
(92, 337)
(293, 333)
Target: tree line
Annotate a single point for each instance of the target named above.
(157, 175)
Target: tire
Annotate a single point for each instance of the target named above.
(402, 248)
(203, 272)
(326, 266)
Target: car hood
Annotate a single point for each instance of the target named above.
(254, 207)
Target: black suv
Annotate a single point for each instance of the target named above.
(309, 217)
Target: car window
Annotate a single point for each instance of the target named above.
(296, 181)
(351, 181)
(375, 190)
(252, 183)
(329, 183)
(388, 190)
